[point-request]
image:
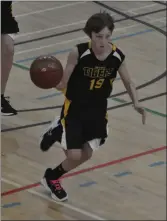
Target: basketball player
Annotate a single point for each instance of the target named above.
(87, 83)
(9, 26)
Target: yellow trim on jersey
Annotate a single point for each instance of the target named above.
(114, 47)
(66, 108)
(106, 116)
(11, 8)
(89, 44)
(63, 90)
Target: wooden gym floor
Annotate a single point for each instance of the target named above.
(128, 178)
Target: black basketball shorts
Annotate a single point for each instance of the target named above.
(9, 26)
(78, 127)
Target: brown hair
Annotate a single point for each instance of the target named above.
(97, 22)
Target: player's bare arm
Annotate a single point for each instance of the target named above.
(130, 87)
(71, 63)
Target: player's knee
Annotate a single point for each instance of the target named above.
(75, 155)
(87, 154)
(87, 151)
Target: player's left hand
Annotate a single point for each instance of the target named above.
(141, 111)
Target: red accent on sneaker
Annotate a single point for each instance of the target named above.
(56, 184)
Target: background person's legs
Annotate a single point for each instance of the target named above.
(7, 53)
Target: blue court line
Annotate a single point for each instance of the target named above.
(121, 174)
(114, 39)
(157, 164)
(125, 173)
(9, 205)
(87, 184)
(54, 53)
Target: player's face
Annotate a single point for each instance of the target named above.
(100, 40)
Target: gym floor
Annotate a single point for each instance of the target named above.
(127, 179)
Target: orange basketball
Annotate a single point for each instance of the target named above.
(46, 72)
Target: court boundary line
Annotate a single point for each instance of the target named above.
(86, 38)
(130, 17)
(79, 22)
(80, 29)
(119, 37)
(68, 206)
(48, 9)
(88, 169)
(161, 3)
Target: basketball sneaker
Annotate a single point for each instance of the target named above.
(6, 108)
(51, 135)
(54, 187)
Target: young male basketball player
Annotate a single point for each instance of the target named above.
(88, 80)
(9, 26)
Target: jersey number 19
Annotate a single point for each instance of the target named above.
(96, 84)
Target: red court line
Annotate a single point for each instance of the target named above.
(88, 169)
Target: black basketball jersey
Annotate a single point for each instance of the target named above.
(8, 23)
(92, 79)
